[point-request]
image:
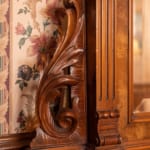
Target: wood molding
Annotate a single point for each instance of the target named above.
(136, 92)
(137, 144)
(58, 147)
(16, 141)
(107, 109)
(108, 128)
(132, 127)
(112, 147)
(105, 53)
(108, 114)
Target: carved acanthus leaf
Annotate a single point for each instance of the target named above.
(61, 120)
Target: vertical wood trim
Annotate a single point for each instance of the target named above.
(105, 52)
(98, 49)
(130, 56)
(91, 70)
(111, 49)
(106, 74)
(131, 98)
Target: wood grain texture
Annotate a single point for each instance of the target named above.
(113, 147)
(137, 144)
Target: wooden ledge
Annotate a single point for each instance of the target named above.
(16, 141)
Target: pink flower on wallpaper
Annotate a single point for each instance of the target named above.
(31, 51)
(42, 46)
(54, 11)
(38, 43)
(20, 30)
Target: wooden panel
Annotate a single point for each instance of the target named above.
(133, 134)
(136, 92)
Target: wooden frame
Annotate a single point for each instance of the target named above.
(132, 128)
(133, 117)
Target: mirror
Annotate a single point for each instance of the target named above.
(141, 56)
(28, 29)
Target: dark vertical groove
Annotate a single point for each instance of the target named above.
(114, 41)
(107, 49)
(101, 53)
(91, 72)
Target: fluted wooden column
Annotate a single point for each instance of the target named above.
(106, 99)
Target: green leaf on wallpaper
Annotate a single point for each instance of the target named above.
(18, 81)
(25, 84)
(20, 11)
(21, 42)
(29, 30)
(22, 84)
(24, 10)
(36, 75)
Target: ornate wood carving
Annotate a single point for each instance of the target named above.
(61, 94)
(108, 114)
(107, 128)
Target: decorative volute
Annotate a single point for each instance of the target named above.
(56, 107)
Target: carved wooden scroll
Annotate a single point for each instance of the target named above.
(57, 107)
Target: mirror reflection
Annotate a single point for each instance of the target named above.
(141, 55)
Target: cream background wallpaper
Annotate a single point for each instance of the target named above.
(22, 24)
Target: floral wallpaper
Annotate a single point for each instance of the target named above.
(29, 30)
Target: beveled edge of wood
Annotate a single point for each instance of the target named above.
(16, 141)
(62, 147)
(137, 144)
(112, 147)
